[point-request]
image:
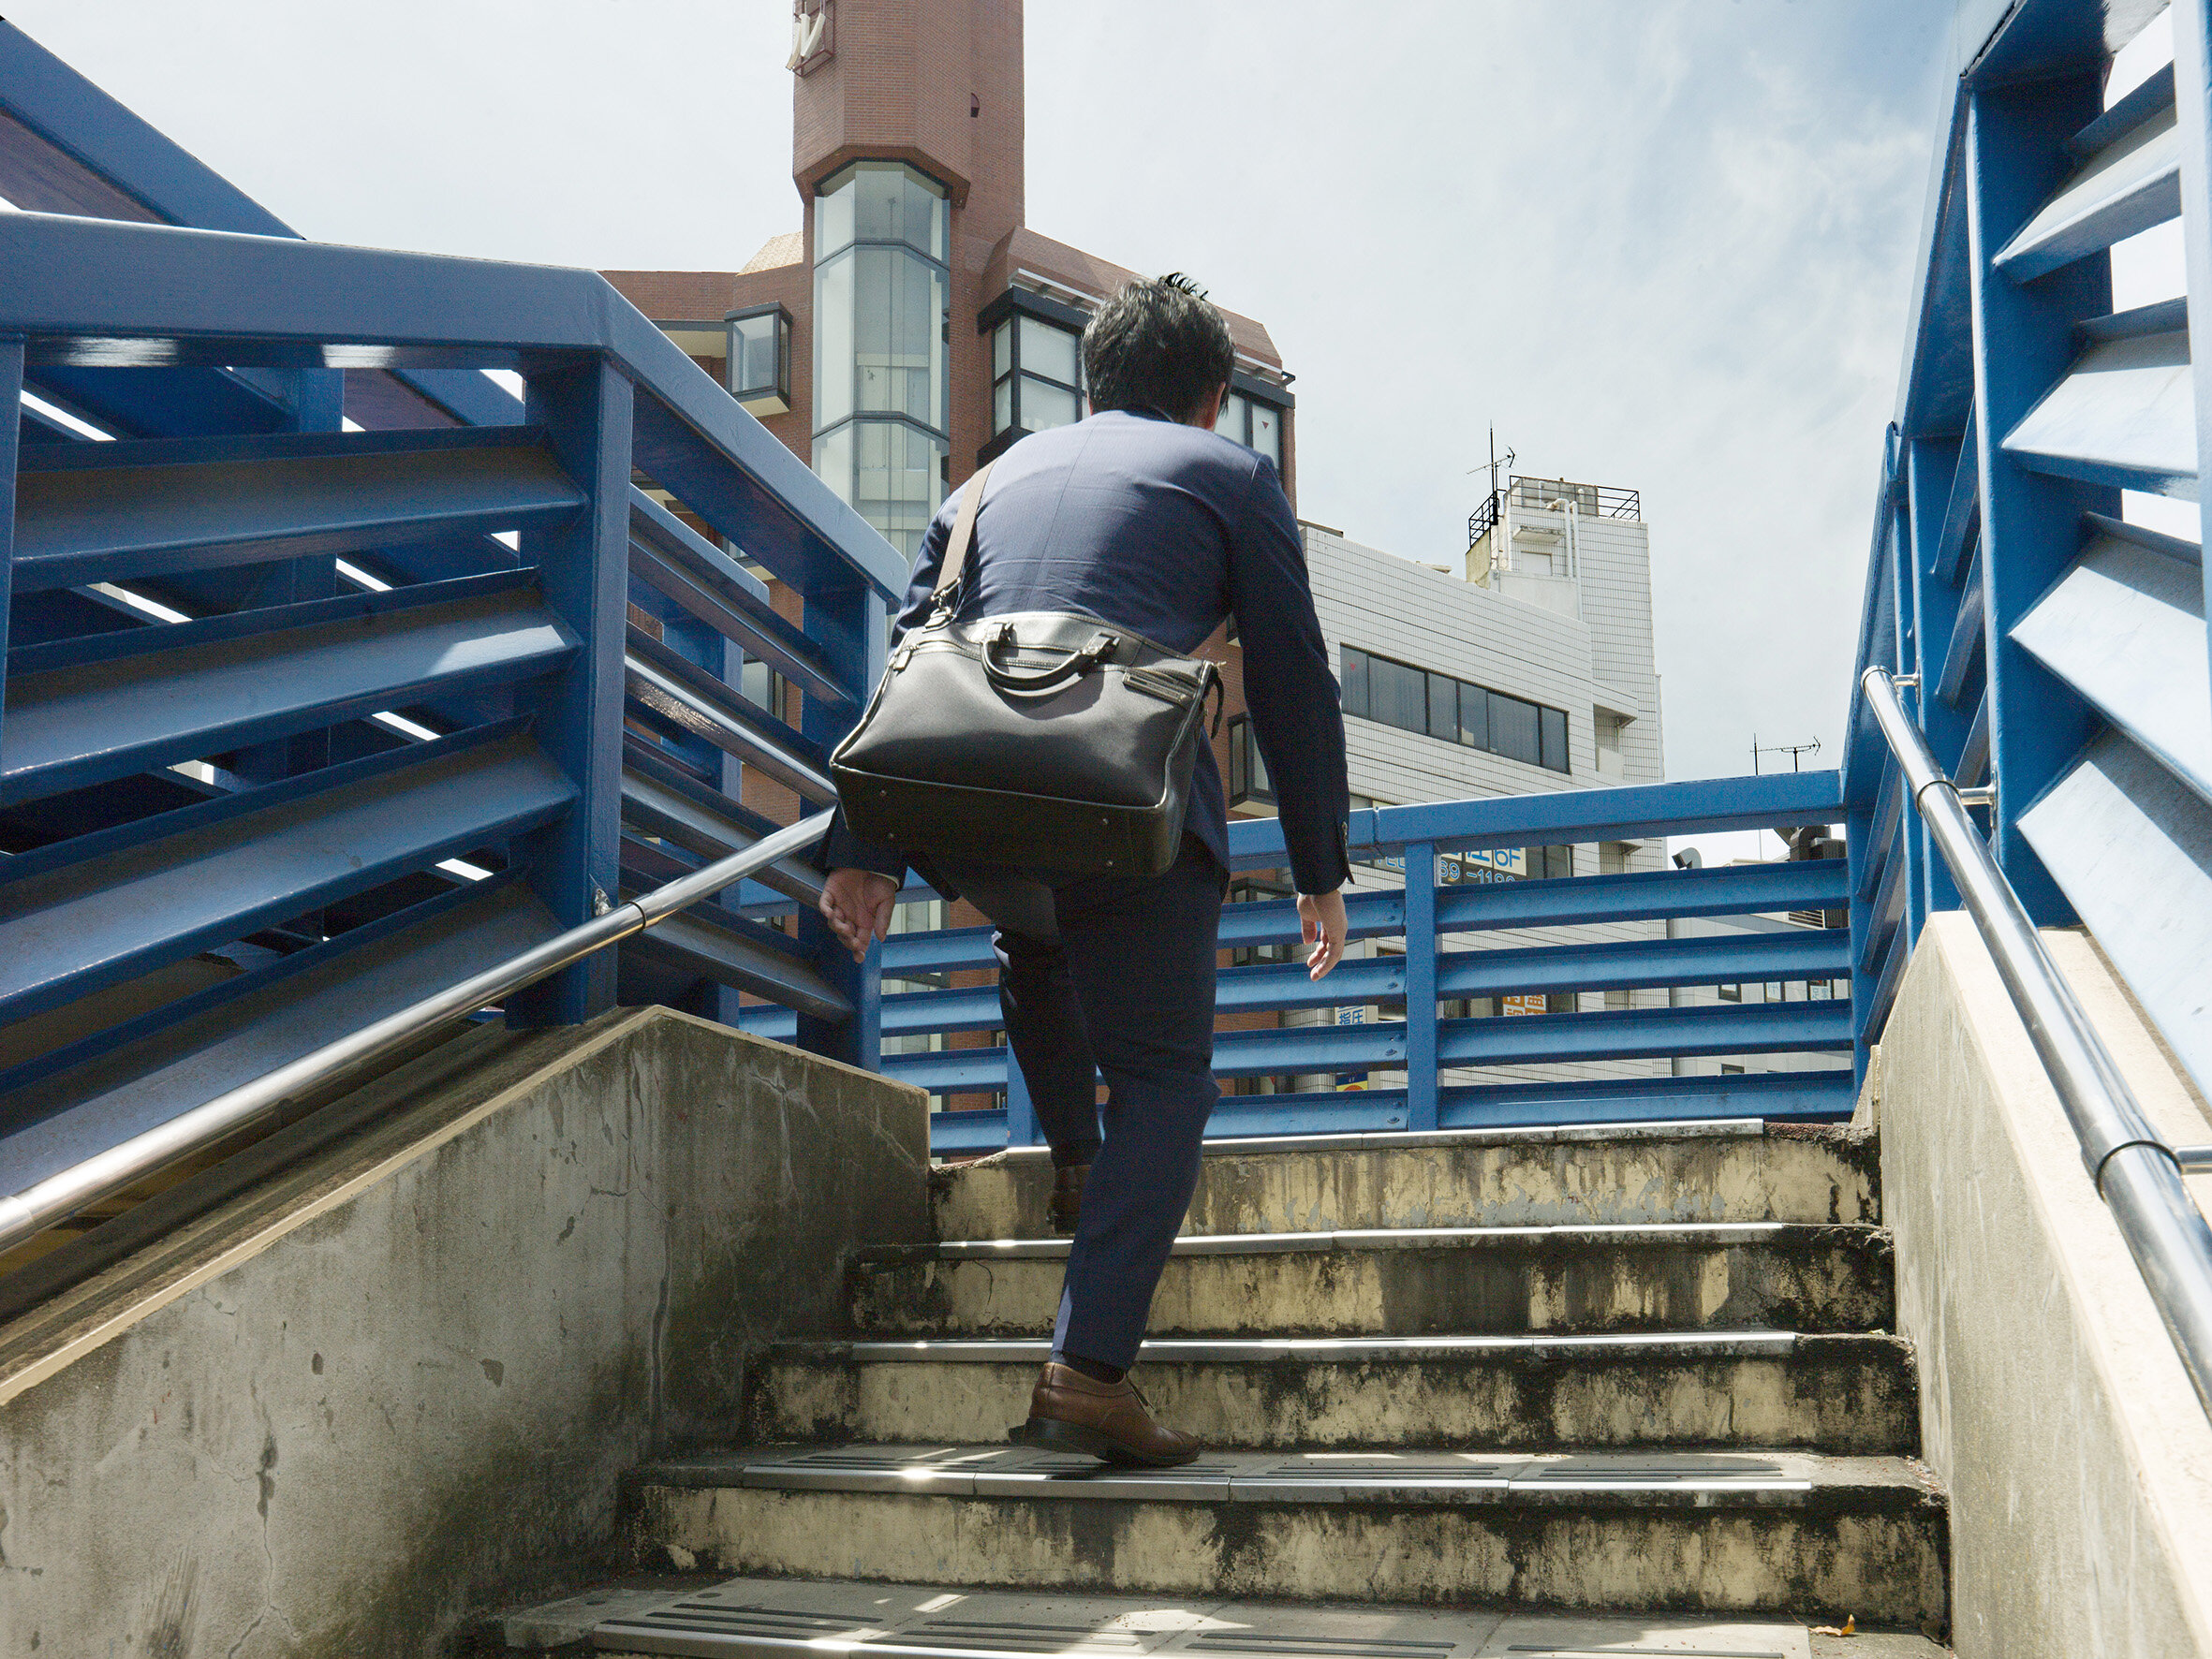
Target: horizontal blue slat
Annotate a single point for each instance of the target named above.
(83, 712)
(1962, 518)
(118, 1083)
(1881, 842)
(1638, 812)
(1779, 1094)
(116, 512)
(1792, 955)
(1964, 652)
(160, 889)
(155, 297)
(1639, 1034)
(675, 560)
(1651, 895)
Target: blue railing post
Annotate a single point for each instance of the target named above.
(2023, 339)
(2192, 99)
(11, 389)
(1022, 1127)
(583, 571)
(850, 624)
(1932, 469)
(1421, 986)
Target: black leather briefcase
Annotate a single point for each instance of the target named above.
(1047, 740)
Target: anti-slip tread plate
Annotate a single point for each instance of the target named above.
(1425, 1477)
(773, 1619)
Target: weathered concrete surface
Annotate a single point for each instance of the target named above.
(1490, 1178)
(921, 1614)
(1874, 1546)
(1842, 1393)
(401, 1379)
(2079, 1459)
(1494, 1280)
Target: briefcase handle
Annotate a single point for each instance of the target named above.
(1100, 646)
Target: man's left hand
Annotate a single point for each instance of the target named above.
(857, 905)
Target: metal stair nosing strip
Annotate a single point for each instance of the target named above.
(1540, 1240)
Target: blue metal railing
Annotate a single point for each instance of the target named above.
(2054, 654)
(1443, 926)
(336, 659)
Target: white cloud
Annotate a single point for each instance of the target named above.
(1665, 245)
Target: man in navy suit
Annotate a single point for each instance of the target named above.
(1143, 516)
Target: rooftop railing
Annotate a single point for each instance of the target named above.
(1597, 501)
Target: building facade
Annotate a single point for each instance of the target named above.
(913, 326)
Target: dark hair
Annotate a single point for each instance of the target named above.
(1156, 345)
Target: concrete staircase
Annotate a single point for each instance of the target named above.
(1630, 1372)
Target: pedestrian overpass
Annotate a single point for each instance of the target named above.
(392, 1258)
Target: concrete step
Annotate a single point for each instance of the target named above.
(1842, 1393)
(1690, 1533)
(1414, 1282)
(765, 1618)
(1736, 1169)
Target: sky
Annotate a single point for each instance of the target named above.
(1662, 244)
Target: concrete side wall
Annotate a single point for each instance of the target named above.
(401, 1382)
(2078, 1458)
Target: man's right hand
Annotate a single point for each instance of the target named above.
(1326, 928)
(857, 905)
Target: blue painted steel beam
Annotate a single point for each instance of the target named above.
(79, 916)
(1885, 911)
(1639, 813)
(114, 1084)
(662, 801)
(1962, 514)
(676, 561)
(154, 404)
(1965, 647)
(2193, 86)
(84, 710)
(1636, 1033)
(1796, 955)
(112, 512)
(2023, 344)
(686, 699)
(1779, 1095)
(11, 385)
(107, 294)
(583, 565)
(1652, 895)
(1939, 472)
(710, 942)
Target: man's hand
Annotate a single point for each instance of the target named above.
(857, 905)
(1321, 917)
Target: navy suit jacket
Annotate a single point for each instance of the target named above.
(1165, 529)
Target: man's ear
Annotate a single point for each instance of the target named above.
(1209, 408)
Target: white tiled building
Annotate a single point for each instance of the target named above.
(1525, 669)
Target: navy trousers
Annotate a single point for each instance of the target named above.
(1127, 988)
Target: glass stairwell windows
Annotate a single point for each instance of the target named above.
(1036, 376)
(882, 398)
(1255, 423)
(1452, 711)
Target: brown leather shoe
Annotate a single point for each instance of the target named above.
(1067, 1196)
(1069, 1412)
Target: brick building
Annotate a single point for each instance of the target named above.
(914, 326)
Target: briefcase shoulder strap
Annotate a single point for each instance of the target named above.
(963, 531)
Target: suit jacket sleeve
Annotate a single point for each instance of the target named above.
(842, 849)
(1297, 710)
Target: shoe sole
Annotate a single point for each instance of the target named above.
(1048, 1434)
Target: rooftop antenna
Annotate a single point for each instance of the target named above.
(1495, 462)
(1794, 751)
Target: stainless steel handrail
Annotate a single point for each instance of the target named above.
(2136, 1173)
(59, 1197)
